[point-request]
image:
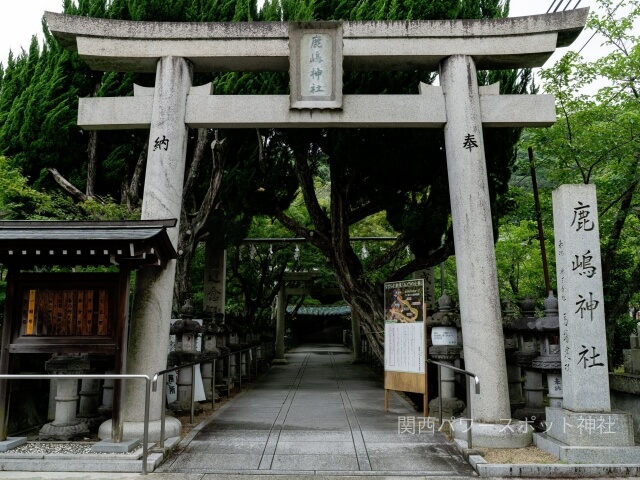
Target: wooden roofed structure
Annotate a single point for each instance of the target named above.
(68, 312)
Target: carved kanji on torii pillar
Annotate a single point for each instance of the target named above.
(460, 106)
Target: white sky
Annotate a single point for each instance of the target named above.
(19, 20)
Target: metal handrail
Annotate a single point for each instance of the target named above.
(115, 376)
(203, 360)
(468, 374)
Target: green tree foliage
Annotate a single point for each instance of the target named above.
(597, 140)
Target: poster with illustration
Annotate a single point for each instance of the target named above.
(403, 301)
(404, 340)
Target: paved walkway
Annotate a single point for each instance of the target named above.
(317, 415)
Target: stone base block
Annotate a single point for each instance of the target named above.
(107, 446)
(63, 432)
(279, 361)
(530, 414)
(183, 406)
(173, 428)
(12, 442)
(587, 429)
(513, 434)
(592, 455)
(451, 407)
(631, 360)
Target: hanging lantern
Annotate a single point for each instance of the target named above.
(364, 253)
(296, 253)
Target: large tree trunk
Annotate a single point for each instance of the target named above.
(195, 214)
(92, 163)
(92, 155)
(130, 195)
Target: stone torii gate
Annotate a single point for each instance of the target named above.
(456, 48)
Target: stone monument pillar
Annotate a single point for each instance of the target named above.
(429, 288)
(215, 283)
(481, 318)
(585, 427)
(215, 274)
(280, 319)
(150, 322)
(356, 339)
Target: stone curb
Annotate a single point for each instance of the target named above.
(546, 470)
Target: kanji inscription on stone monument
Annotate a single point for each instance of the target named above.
(582, 325)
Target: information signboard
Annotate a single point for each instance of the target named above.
(404, 338)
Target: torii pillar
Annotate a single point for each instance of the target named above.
(474, 246)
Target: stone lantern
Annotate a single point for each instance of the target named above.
(66, 426)
(186, 331)
(445, 349)
(533, 389)
(511, 325)
(234, 358)
(223, 382)
(549, 361)
(209, 348)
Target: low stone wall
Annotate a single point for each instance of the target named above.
(625, 395)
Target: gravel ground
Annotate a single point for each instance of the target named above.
(518, 455)
(50, 448)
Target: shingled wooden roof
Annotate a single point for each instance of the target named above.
(26, 244)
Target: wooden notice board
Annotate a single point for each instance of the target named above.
(405, 339)
(75, 313)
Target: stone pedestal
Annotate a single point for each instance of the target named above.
(90, 402)
(66, 426)
(106, 406)
(51, 411)
(451, 406)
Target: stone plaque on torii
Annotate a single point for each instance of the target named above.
(454, 47)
